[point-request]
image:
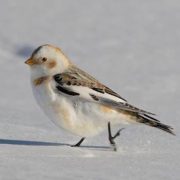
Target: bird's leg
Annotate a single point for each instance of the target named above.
(111, 138)
(78, 143)
(118, 133)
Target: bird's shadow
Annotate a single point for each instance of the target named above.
(42, 143)
(30, 143)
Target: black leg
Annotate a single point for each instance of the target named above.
(79, 142)
(111, 138)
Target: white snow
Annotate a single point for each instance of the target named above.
(132, 46)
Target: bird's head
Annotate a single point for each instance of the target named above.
(47, 60)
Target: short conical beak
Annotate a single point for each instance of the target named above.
(30, 62)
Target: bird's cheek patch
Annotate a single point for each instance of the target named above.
(51, 64)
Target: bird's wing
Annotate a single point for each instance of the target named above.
(79, 84)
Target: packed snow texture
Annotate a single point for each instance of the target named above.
(133, 46)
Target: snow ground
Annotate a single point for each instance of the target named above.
(135, 40)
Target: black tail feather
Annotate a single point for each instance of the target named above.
(150, 121)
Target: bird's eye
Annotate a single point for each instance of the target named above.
(44, 59)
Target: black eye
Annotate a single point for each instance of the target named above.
(44, 59)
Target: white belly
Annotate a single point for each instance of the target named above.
(74, 115)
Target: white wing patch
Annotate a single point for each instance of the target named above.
(93, 92)
(85, 92)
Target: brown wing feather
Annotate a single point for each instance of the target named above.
(87, 80)
(77, 77)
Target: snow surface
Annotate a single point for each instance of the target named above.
(132, 46)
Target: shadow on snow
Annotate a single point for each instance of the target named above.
(41, 143)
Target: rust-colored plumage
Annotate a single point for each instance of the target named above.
(40, 80)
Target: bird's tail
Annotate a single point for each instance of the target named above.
(150, 121)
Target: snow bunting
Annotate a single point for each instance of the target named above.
(76, 101)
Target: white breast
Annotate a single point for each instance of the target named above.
(77, 116)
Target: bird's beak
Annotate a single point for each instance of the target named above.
(30, 62)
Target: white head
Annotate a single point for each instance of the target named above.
(47, 60)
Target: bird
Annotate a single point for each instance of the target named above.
(77, 102)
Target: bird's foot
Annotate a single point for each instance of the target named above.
(112, 138)
(78, 143)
